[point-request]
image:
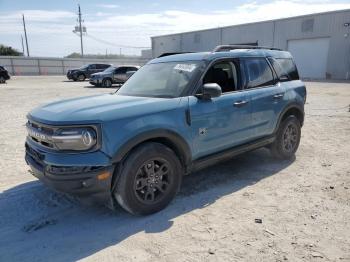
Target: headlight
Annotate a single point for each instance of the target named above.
(77, 139)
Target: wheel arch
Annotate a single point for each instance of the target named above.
(81, 73)
(107, 77)
(292, 109)
(166, 137)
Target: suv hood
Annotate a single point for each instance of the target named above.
(100, 108)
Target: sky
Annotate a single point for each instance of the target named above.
(127, 25)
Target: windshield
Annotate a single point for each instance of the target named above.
(109, 69)
(161, 80)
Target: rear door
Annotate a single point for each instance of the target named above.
(266, 95)
(91, 70)
(120, 74)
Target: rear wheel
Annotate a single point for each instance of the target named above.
(107, 82)
(149, 179)
(287, 139)
(2, 80)
(81, 77)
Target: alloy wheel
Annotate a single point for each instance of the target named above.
(290, 138)
(152, 181)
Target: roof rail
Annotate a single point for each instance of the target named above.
(168, 54)
(223, 48)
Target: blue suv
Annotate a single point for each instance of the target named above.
(177, 114)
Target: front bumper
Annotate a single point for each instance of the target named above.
(71, 75)
(95, 82)
(79, 180)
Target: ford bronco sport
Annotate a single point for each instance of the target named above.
(177, 114)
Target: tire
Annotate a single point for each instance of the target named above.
(141, 191)
(2, 80)
(81, 77)
(287, 138)
(107, 83)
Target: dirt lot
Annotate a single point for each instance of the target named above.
(304, 204)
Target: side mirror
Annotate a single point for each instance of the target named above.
(283, 78)
(211, 90)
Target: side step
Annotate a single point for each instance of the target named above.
(229, 153)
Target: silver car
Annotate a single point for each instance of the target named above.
(113, 75)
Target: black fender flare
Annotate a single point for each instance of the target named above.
(290, 106)
(178, 144)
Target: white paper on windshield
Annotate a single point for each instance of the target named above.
(185, 67)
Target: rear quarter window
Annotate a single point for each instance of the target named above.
(258, 72)
(285, 66)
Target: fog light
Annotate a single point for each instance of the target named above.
(104, 175)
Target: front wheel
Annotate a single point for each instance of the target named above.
(81, 77)
(107, 82)
(149, 179)
(2, 80)
(287, 138)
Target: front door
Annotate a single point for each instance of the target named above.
(223, 122)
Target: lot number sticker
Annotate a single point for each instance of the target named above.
(185, 67)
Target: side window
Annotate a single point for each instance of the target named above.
(258, 72)
(225, 74)
(100, 66)
(120, 70)
(289, 67)
(105, 66)
(93, 66)
(131, 69)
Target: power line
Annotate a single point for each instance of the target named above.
(116, 45)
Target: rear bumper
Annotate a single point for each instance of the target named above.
(81, 181)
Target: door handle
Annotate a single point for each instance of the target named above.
(240, 103)
(278, 96)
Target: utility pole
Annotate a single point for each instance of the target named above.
(81, 33)
(22, 44)
(25, 35)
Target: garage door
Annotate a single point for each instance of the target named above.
(310, 56)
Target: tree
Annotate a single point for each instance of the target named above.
(73, 55)
(8, 50)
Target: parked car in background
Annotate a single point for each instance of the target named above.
(176, 115)
(84, 72)
(113, 75)
(4, 74)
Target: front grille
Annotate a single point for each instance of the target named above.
(41, 134)
(34, 155)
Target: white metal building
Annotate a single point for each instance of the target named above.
(320, 43)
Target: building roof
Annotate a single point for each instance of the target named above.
(258, 22)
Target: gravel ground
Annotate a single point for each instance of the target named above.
(303, 204)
